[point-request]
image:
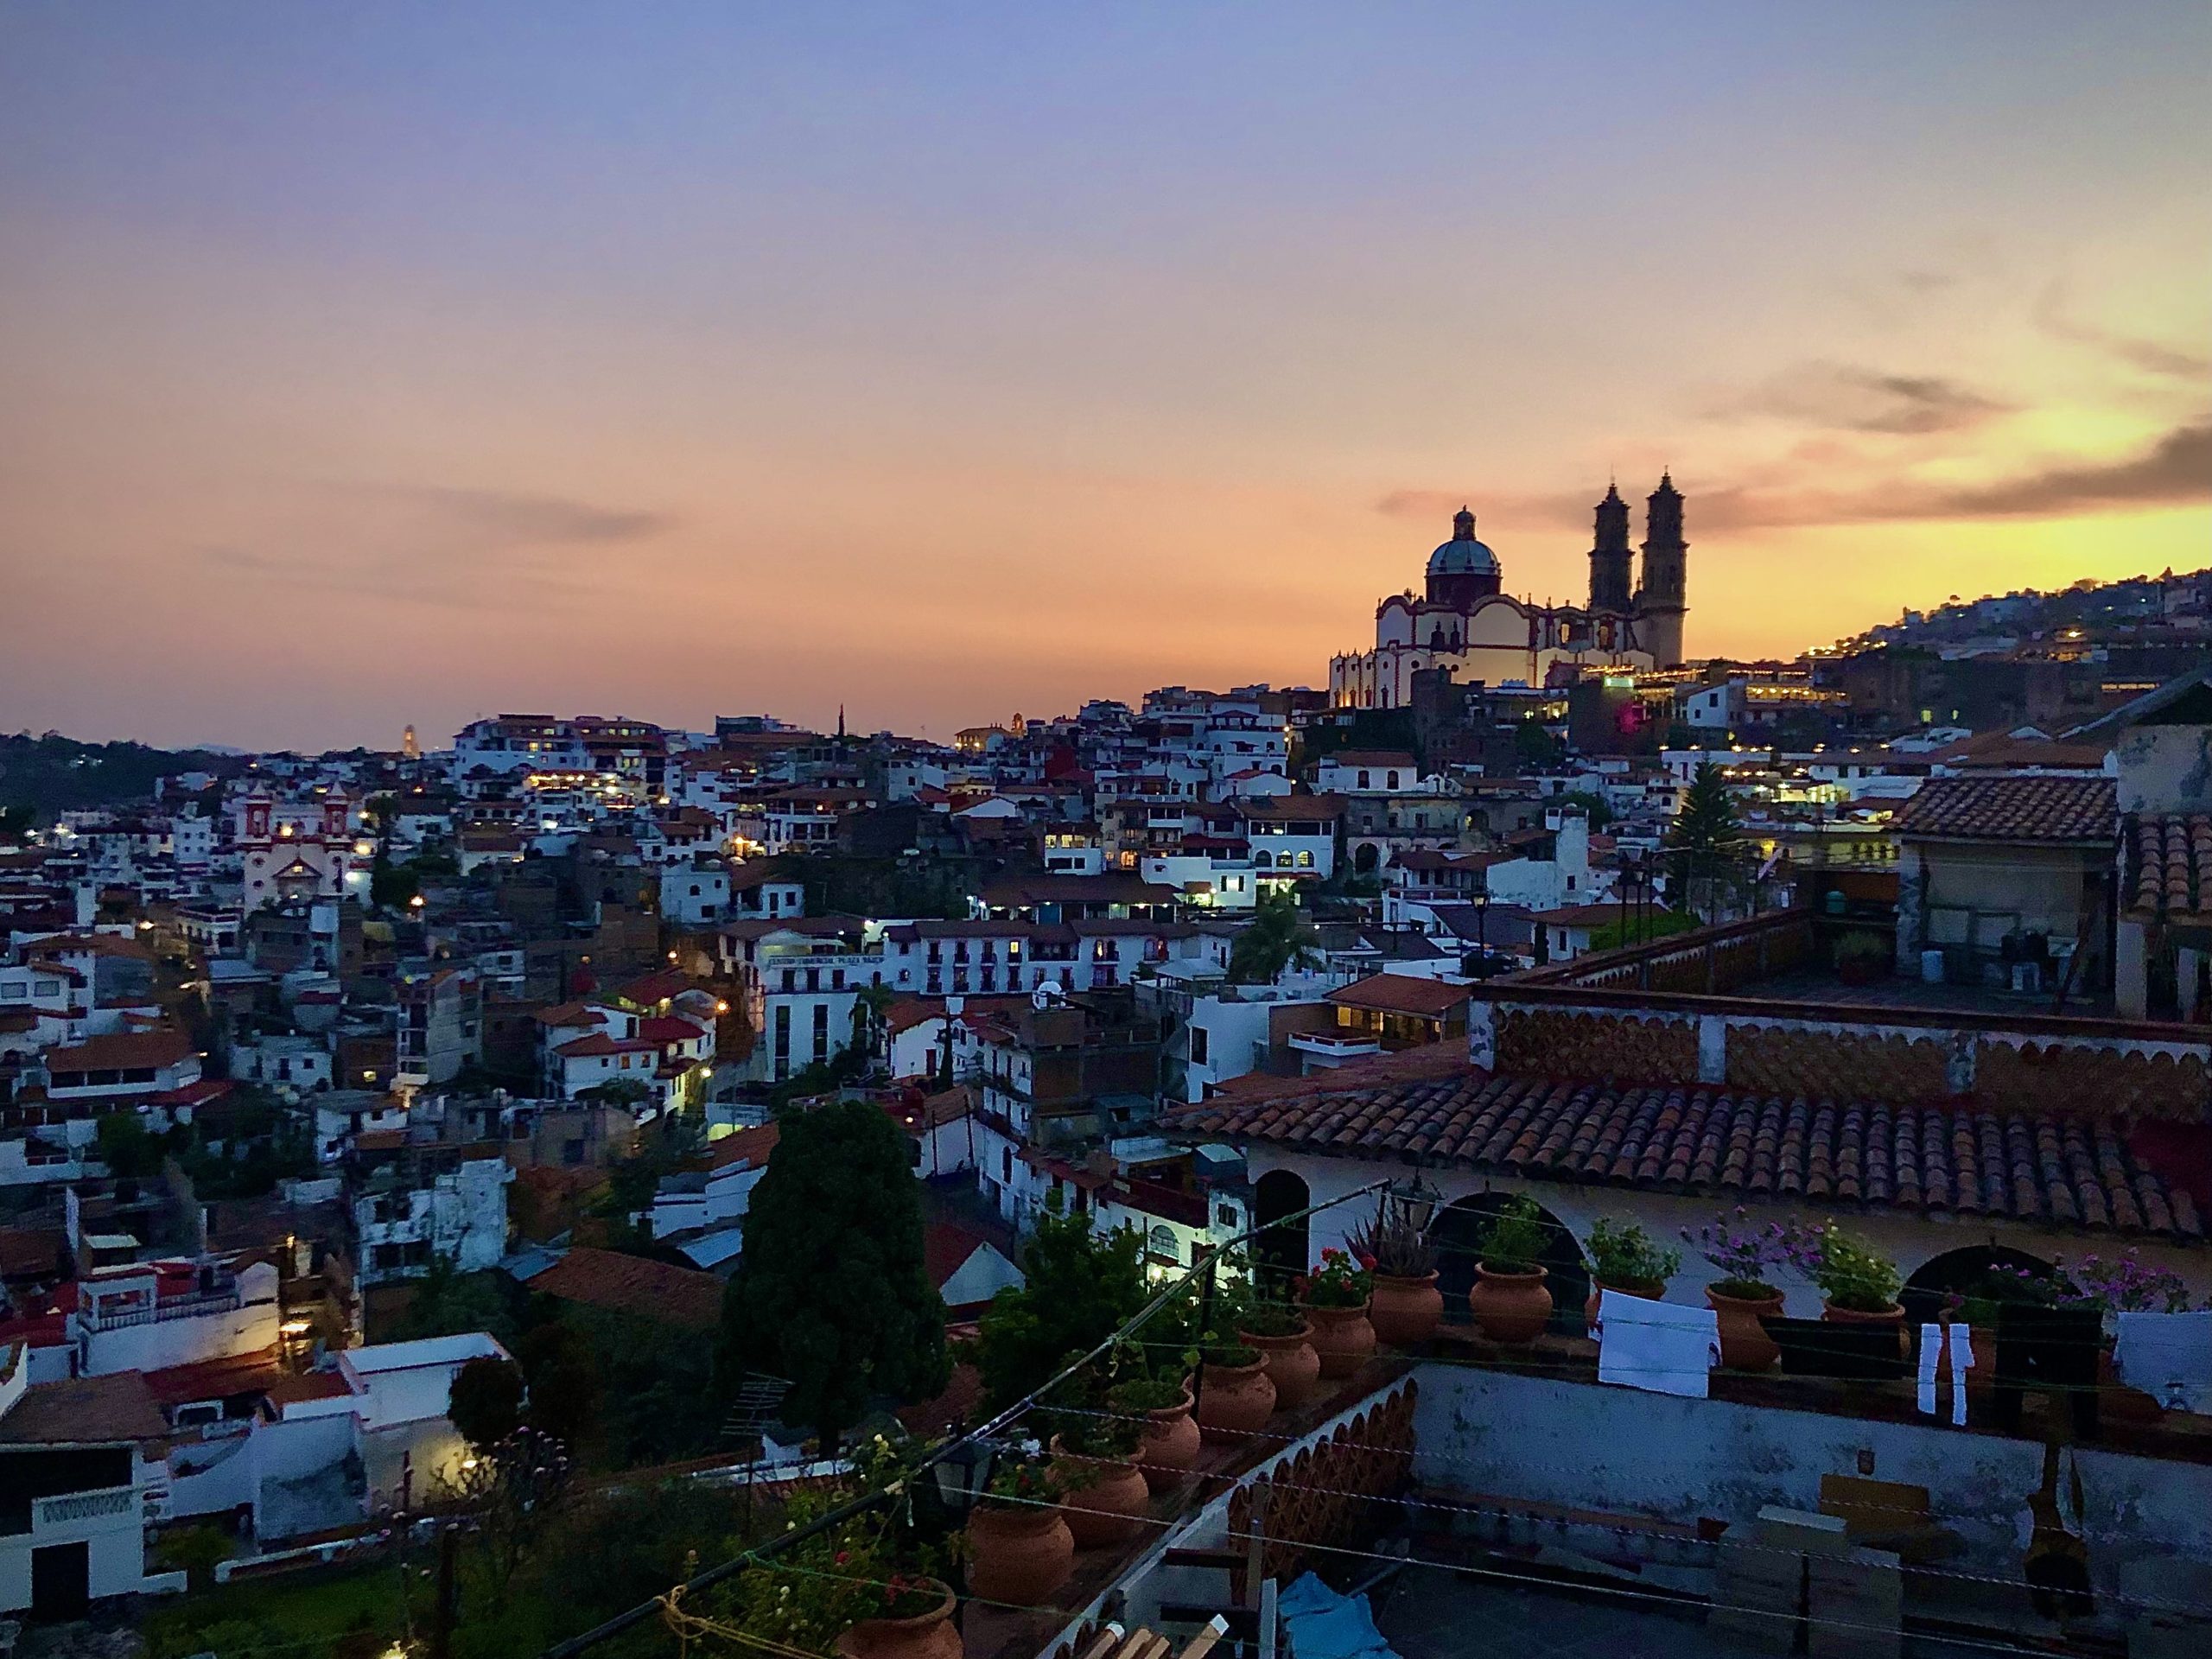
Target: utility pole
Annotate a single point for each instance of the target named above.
(441, 1616)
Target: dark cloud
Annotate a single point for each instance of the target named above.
(1846, 397)
(2175, 471)
(502, 516)
(1926, 281)
(2148, 355)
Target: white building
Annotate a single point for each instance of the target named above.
(148, 1316)
(460, 1217)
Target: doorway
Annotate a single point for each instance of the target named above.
(62, 1580)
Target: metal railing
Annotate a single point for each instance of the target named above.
(83, 1506)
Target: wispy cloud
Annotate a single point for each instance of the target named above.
(505, 517)
(2175, 471)
(2151, 356)
(441, 545)
(1846, 397)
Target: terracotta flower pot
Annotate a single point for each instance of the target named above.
(1744, 1344)
(1894, 1314)
(1111, 1507)
(1234, 1401)
(1511, 1307)
(1651, 1289)
(1169, 1448)
(927, 1635)
(1343, 1337)
(1019, 1555)
(1294, 1365)
(1405, 1311)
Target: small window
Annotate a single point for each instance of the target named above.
(1198, 1044)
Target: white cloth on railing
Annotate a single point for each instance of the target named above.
(1932, 1338)
(2168, 1356)
(1665, 1347)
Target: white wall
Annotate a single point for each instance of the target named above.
(1590, 1446)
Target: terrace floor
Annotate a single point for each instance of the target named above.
(1897, 991)
(1429, 1612)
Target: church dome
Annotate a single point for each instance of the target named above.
(1462, 555)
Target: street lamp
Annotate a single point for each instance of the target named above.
(1416, 1200)
(962, 1473)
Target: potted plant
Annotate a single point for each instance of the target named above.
(1167, 1435)
(1623, 1258)
(2122, 1285)
(1746, 1254)
(1019, 1549)
(1860, 1287)
(1862, 958)
(1103, 1492)
(1234, 1397)
(906, 1617)
(1405, 1307)
(1284, 1337)
(1508, 1298)
(1336, 1302)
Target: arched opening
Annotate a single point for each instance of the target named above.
(1456, 1233)
(1364, 860)
(1976, 1274)
(1282, 1251)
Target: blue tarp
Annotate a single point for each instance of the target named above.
(1319, 1624)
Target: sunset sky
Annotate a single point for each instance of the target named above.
(363, 364)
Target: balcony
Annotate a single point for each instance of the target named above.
(194, 1307)
(1495, 1488)
(1335, 1047)
(73, 1509)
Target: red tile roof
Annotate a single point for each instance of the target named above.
(122, 1051)
(2080, 810)
(1694, 1139)
(631, 1284)
(1430, 998)
(749, 1147)
(2166, 865)
(599, 1044)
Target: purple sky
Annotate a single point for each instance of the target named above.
(374, 365)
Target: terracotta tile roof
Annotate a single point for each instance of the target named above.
(1694, 1139)
(1430, 998)
(306, 1385)
(750, 1146)
(87, 1411)
(214, 1379)
(631, 1284)
(2012, 809)
(2165, 864)
(569, 1013)
(1301, 809)
(946, 1246)
(599, 1045)
(122, 1051)
(1372, 759)
(666, 1028)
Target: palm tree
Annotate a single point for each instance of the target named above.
(1278, 937)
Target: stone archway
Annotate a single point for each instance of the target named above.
(1365, 858)
(1457, 1231)
(1960, 1272)
(1281, 1252)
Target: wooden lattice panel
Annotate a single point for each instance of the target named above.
(1561, 1043)
(1325, 1495)
(2057, 1080)
(1837, 1064)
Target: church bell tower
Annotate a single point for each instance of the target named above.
(1610, 556)
(1662, 600)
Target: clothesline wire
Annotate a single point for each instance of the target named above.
(1624, 1528)
(1465, 1569)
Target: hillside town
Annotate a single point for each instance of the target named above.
(366, 1114)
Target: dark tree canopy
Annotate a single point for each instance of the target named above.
(1080, 1286)
(830, 1293)
(486, 1402)
(1278, 937)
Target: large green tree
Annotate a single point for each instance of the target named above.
(1706, 840)
(1080, 1286)
(830, 1293)
(1278, 937)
